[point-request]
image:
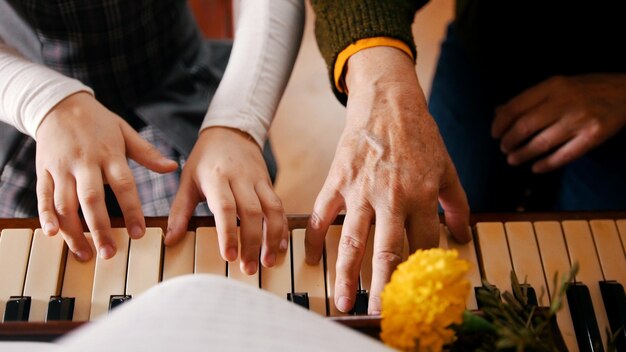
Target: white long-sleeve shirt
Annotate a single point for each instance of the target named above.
(267, 39)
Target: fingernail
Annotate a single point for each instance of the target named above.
(270, 260)
(136, 232)
(83, 255)
(283, 244)
(343, 304)
(231, 254)
(106, 251)
(251, 268)
(48, 227)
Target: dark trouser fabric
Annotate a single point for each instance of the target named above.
(460, 103)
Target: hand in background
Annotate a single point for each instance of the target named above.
(81, 146)
(227, 169)
(561, 119)
(390, 166)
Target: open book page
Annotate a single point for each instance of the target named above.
(22, 346)
(210, 313)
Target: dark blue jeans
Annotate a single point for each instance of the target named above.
(460, 104)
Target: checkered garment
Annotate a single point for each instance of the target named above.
(121, 49)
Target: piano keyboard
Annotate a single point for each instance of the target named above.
(41, 285)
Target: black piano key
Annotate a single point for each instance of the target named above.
(584, 318)
(299, 298)
(615, 304)
(360, 304)
(116, 300)
(484, 291)
(17, 308)
(531, 295)
(60, 308)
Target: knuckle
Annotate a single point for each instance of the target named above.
(65, 208)
(350, 244)
(252, 211)
(427, 189)
(316, 221)
(124, 183)
(91, 197)
(275, 206)
(226, 207)
(345, 282)
(542, 143)
(594, 130)
(387, 257)
(523, 128)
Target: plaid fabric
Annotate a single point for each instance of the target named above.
(120, 48)
(18, 181)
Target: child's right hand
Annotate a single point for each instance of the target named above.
(81, 145)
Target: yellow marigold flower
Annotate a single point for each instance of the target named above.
(425, 296)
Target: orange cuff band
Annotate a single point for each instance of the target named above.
(359, 45)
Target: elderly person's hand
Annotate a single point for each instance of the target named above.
(391, 167)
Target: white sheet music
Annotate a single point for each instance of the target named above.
(204, 312)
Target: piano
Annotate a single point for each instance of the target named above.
(44, 292)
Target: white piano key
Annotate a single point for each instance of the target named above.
(494, 252)
(332, 244)
(179, 259)
(610, 253)
(43, 277)
(526, 259)
(366, 265)
(110, 275)
(308, 278)
(234, 270)
(467, 251)
(14, 253)
(277, 279)
(555, 260)
(78, 282)
(208, 259)
(582, 250)
(144, 262)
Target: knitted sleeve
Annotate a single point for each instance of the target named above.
(341, 23)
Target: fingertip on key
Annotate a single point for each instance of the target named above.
(344, 304)
(83, 255)
(251, 267)
(270, 260)
(106, 251)
(49, 228)
(136, 232)
(231, 254)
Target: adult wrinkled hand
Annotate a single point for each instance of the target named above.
(227, 169)
(81, 146)
(390, 166)
(561, 119)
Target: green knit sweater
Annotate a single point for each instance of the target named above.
(341, 23)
